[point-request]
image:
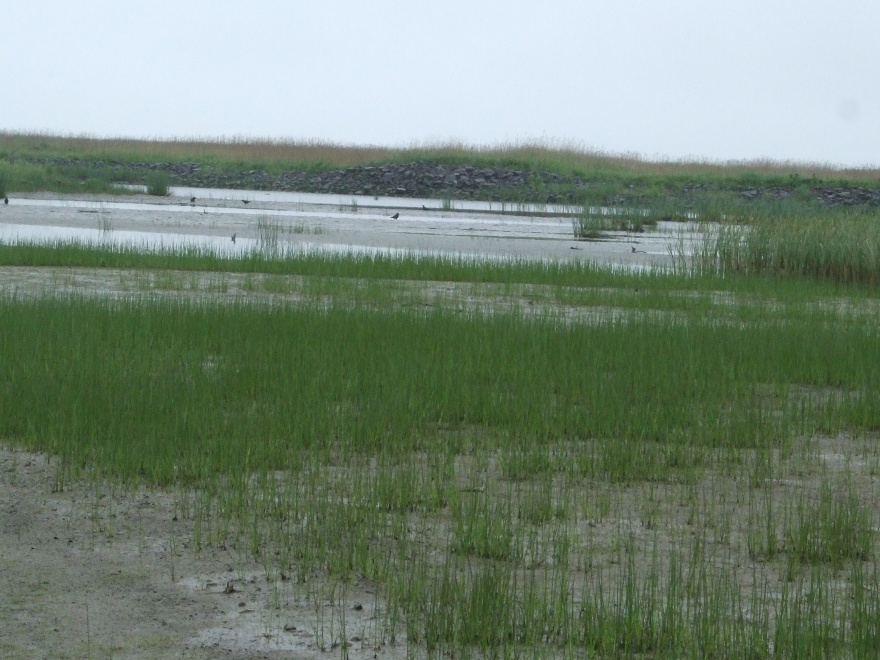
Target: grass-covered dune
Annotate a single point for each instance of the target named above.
(566, 173)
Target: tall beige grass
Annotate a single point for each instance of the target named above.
(567, 155)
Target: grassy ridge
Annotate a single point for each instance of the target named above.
(565, 159)
(609, 177)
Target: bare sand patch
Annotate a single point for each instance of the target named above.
(93, 572)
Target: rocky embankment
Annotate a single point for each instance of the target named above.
(413, 179)
(830, 196)
(423, 179)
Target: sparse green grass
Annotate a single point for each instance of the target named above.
(510, 485)
(695, 477)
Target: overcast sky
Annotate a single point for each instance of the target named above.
(780, 79)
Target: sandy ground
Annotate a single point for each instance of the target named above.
(88, 572)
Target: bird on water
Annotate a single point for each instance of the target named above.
(245, 201)
(192, 200)
(233, 238)
(6, 201)
(395, 216)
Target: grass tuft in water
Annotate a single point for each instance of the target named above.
(158, 184)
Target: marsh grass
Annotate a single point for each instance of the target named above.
(158, 184)
(269, 240)
(833, 528)
(482, 468)
(605, 179)
(293, 262)
(591, 224)
(841, 246)
(576, 282)
(565, 156)
(508, 485)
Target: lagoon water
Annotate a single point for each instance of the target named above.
(332, 223)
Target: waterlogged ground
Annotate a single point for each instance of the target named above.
(91, 570)
(318, 224)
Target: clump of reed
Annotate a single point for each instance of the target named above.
(841, 246)
(593, 223)
(158, 184)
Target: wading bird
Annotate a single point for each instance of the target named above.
(233, 238)
(395, 216)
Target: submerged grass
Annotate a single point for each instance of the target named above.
(573, 281)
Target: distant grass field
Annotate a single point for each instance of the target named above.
(609, 177)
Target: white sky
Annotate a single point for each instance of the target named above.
(781, 79)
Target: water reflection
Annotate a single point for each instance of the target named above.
(236, 195)
(305, 222)
(222, 246)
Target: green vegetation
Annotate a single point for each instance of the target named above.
(531, 460)
(665, 482)
(157, 184)
(72, 164)
(842, 245)
(595, 223)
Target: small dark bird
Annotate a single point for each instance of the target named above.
(395, 216)
(245, 201)
(424, 208)
(192, 200)
(233, 238)
(6, 201)
(634, 250)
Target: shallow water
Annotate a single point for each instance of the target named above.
(367, 201)
(297, 222)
